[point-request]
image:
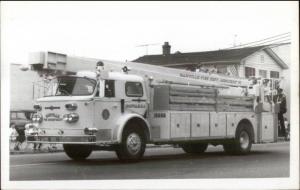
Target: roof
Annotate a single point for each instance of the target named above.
(124, 77)
(225, 56)
(88, 74)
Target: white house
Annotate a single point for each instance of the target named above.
(266, 61)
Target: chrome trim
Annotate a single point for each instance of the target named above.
(57, 128)
(91, 143)
(78, 139)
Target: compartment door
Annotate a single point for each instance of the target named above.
(267, 127)
(180, 125)
(231, 124)
(217, 124)
(200, 124)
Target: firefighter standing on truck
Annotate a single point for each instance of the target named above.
(280, 99)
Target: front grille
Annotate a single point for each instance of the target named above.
(104, 134)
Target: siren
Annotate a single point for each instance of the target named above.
(126, 69)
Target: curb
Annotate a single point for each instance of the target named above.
(280, 141)
(32, 152)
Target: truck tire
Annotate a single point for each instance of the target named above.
(77, 152)
(133, 145)
(197, 148)
(241, 144)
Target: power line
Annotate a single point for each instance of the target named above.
(282, 41)
(273, 41)
(260, 40)
(272, 38)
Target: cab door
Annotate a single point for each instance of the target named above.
(135, 100)
(107, 108)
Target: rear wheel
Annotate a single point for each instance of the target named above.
(241, 144)
(77, 152)
(133, 145)
(196, 148)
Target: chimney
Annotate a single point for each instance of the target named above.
(166, 48)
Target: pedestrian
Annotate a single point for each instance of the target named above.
(37, 146)
(29, 129)
(20, 138)
(13, 135)
(280, 99)
(52, 148)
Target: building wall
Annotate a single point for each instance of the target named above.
(284, 52)
(260, 61)
(21, 88)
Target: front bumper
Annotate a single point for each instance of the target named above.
(83, 139)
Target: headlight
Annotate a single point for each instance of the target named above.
(37, 118)
(37, 107)
(71, 117)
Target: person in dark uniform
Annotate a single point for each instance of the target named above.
(20, 138)
(280, 99)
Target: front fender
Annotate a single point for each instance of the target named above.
(121, 123)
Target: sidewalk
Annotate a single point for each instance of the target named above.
(28, 148)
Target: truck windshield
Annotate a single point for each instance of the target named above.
(71, 86)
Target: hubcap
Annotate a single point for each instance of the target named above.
(244, 140)
(133, 143)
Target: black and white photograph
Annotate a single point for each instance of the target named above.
(150, 95)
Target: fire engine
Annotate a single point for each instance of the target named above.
(123, 106)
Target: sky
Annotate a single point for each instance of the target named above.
(115, 30)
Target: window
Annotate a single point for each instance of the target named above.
(249, 71)
(221, 69)
(274, 74)
(73, 86)
(262, 73)
(19, 115)
(13, 115)
(134, 89)
(262, 58)
(109, 88)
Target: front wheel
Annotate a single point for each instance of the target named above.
(196, 148)
(77, 152)
(241, 144)
(133, 145)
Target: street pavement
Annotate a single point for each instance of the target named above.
(265, 160)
